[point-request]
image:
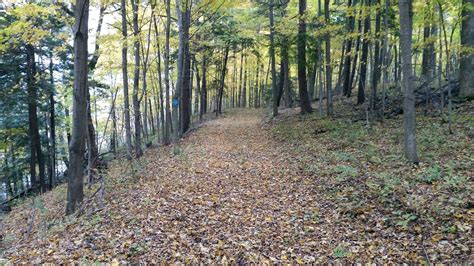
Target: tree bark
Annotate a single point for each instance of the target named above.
(167, 74)
(126, 104)
(184, 64)
(376, 67)
(52, 127)
(347, 62)
(364, 56)
(136, 81)
(75, 192)
(409, 123)
(222, 82)
(203, 100)
(286, 79)
(239, 100)
(467, 41)
(35, 140)
(244, 88)
(305, 103)
(272, 58)
(328, 61)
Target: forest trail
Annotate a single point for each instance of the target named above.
(233, 194)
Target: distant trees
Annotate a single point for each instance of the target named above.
(193, 57)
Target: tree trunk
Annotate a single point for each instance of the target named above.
(305, 103)
(466, 81)
(136, 80)
(376, 67)
(244, 88)
(328, 61)
(409, 123)
(204, 88)
(113, 138)
(347, 62)
(255, 99)
(183, 82)
(52, 127)
(35, 140)
(93, 152)
(356, 57)
(239, 100)
(222, 83)
(286, 80)
(166, 137)
(75, 191)
(126, 104)
(364, 56)
(272, 58)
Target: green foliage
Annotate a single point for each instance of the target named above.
(340, 252)
(345, 172)
(431, 174)
(406, 220)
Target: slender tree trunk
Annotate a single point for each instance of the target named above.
(167, 73)
(376, 67)
(52, 127)
(113, 138)
(272, 58)
(145, 56)
(286, 81)
(92, 149)
(347, 61)
(197, 95)
(204, 88)
(281, 76)
(355, 58)
(385, 56)
(239, 100)
(136, 80)
(244, 88)
(363, 60)
(75, 192)
(337, 90)
(126, 104)
(409, 123)
(255, 99)
(222, 83)
(328, 61)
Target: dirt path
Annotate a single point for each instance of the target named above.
(233, 194)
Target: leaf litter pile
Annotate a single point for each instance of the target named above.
(300, 190)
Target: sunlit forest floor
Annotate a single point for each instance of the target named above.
(245, 188)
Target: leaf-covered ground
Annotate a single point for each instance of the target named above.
(299, 189)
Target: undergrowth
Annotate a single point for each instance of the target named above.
(362, 170)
